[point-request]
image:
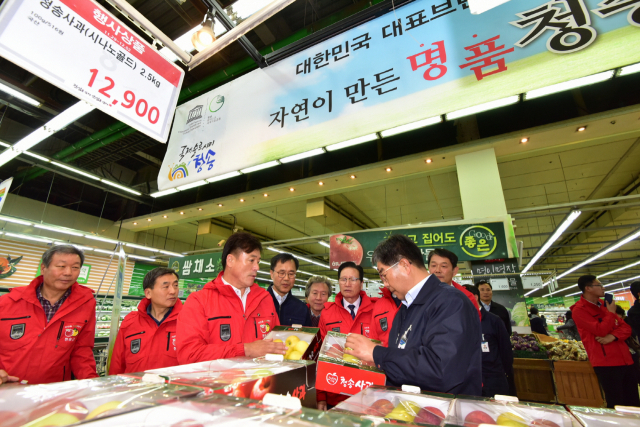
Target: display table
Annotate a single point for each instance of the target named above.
(534, 380)
(577, 384)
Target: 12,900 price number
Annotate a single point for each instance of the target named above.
(141, 107)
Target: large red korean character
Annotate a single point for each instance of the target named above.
(431, 57)
(486, 54)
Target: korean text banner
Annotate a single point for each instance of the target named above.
(197, 266)
(81, 48)
(428, 58)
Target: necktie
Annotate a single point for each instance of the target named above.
(351, 307)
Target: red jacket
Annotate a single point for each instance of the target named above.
(384, 311)
(469, 295)
(213, 325)
(142, 344)
(40, 352)
(336, 318)
(593, 321)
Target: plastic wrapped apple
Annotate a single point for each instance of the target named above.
(475, 418)
(380, 408)
(429, 415)
(405, 411)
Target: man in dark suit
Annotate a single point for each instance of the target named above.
(291, 311)
(537, 325)
(486, 294)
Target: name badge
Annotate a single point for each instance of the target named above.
(485, 347)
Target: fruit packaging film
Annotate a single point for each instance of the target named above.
(297, 340)
(333, 350)
(71, 402)
(604, 417)
(472, 413)
(416, 409)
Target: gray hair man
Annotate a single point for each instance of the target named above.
(317, 294)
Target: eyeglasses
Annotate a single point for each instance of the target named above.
(600, 284)
(383, 275)
(290, 275)
(349, 279)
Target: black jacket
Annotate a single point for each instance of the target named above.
(502, 312)
(537, 325)
(499, 357)
(442, 351)
(633, 318)
(292, 312)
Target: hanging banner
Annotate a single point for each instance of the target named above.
(81, 48)
(4, 191)
(428, 58)
(202, 266)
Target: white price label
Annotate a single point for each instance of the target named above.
(531, 282)
(81, 48)
(500, 284)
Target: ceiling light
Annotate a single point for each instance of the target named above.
(181, 213)
(220, 204)
(58, 230)
(164, 216)
(4, 144)
(302, 155)
(292, 189)
(163, 192)
(265, 195)
(74, 170)
(483, 107)
(191, 185)
(629, 69)
(428, 161)
(325, 244)
(171, 253)
(21, 96)
(321, 183)
(144, 248)
(388, 169)
(599, 276)
(260, 167)
(271, 248)
(102, 251)
(149, 219)
(22, 236)
(121, 187)
(14, 220)
(411, 126)
(29, 153)
(524, 140)
(351, 142)
(224, 176)
(581, 129)
(241, 200)
(352, 177)
(199, 209)
(571, 84)
(83, 248)
(205, 35)
(141, 258)
(135, 223)
(551, 240)
(101, 239)
(312, 261)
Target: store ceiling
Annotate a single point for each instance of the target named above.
(556, 166)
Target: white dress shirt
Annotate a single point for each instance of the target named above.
(243, 298)
(413, 293)
(345, 303)
(486, 306)
(279, 298)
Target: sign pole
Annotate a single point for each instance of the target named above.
(117, 303)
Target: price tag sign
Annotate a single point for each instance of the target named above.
(81, 48)
(531, 282)
(500, 284)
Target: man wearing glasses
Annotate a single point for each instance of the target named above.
(291, 311)
(603, 335)
(435, 340)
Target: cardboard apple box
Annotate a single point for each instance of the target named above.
(245, 377)
(309, 335)
(341, 373)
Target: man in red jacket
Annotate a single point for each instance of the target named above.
(384, 311)
(230, 316)
(443, 264)
(351, 312)
(147, 337)
(47, 329)
(603, 335)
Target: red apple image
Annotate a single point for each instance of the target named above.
(430, 415)
(61, 406)
(380, 408)
(243, 389)
(475, 418)
(335, 351)
(344, 248)
(543, 423)
(262, 386)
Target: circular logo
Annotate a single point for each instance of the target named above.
(478, 241)
(216, 103)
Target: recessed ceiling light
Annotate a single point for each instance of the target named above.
(388, 169)
(242, 200)
(199, 209)
(321, 183)
(181, 213)
(292, 189)
(353, 177)
(149, 219)
(164, 216)
(581, 129)
(135, 223)
(524, 140)
(428, 161)
(220, 204)
(265, 195)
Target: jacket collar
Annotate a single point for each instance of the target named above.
(583, 303)
(426, 290)
(254, 298)
(145, 302)
(365, 301)
(273, 294)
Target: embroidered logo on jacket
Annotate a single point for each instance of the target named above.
(225, 332)
(17, 331)
(135, 345)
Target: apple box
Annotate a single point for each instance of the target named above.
(245, 377)
(342, 373)
(293, 335)
(472, 412)
(70, 402)
(393, 404)
(605, 417)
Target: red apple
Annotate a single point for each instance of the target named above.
(380, 408)
(262, 386)
(62, 405)
(335, 351)
(543, 423)
(343, 249)
(430, 415)
(243, 389)
(476, 418)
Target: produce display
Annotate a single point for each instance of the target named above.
(527, 346)
(604, 417)
(61, 404)
(302, 343)
(393, 404)
(104, 313)
(472, 413)
(565, 350)
(333, 349)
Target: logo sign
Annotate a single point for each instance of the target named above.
(332, 378)
(83, 278)
(17, 331)
(135, 345)
(4, 191)
(83, 49)
(225, 332)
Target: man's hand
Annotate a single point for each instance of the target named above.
(606, 339)
(322, 405)
(6, 378)
(611, 306)
(360, 347)
(261, 347)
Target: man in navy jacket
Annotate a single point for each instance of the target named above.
(291, 311)
(434, 342)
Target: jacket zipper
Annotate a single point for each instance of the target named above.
(64, 372)
(603, 351)
(132, 335)
(219, 317)
(59, 333)
(333, 323)
(168, 339)
(255, 326)
(16, 318)
(381, 314)
(361, 330)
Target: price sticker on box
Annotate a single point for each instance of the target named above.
(81, 48)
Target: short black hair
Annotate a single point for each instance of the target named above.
(283, 257)
(396, 247)
(444, 253)
(585, 281)
(484, 282)
(244, 242)
(620, 311)
(635, 289)
(568, 316)
(150, 278)
(47, 257)
(350, 264)
(474, 290)
(534, 310)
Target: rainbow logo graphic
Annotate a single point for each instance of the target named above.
(3, 191)
(179, 171)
